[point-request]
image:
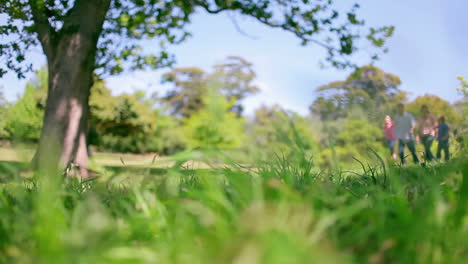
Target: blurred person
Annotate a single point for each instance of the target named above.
(443, 136)
(426, 127)
(390, 136)
(404, 127)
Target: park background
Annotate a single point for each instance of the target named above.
(280, 78)
(249, 150)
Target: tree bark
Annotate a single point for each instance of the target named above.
(71, 57)
(64, 127)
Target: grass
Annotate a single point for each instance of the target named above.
(104, 159)
(284, 211)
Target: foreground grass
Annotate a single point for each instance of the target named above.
(282, 212)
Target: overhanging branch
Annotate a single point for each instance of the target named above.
(207, 8)
(266, 22)
(298, 34)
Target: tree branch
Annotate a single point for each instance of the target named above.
(264, 21)
(42, 26)
(207, 8)
(299, 35)
(87, 16)
(238, 28)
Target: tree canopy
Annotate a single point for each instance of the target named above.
(234, 76)
(368, 87)
(128, 21)
(437, 106)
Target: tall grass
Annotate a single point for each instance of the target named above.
(281, 211)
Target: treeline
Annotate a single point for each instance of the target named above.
(204, 110)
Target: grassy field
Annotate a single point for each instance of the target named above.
(107, 160)
(284, 211)
(102, 159)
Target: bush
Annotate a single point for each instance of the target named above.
(357, 139)
(24, 118)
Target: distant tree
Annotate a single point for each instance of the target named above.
(235, 77)
(189, 87)
(3, 114)
(463, 89)
(328, 108)
(214, 126)
(369, 88)
(168, 137)
(462, 130)
(80, 37)
(462, 105)
(277, 131)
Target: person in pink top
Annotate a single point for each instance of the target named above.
(426, 128)
(390, 136)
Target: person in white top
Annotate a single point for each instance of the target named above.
(404, 127)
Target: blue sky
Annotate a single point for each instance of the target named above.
(428, 51)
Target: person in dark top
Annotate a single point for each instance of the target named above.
(443, 136)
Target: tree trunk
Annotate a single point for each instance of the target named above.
(63, 135)
(71, 56)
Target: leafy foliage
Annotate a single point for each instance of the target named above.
(463, 86)
(368, 87)
(30, 22)
(438, 106)
(3, 115)
(357, 139)
(214, 126)
(122, 123)
(24, 118)
(129, 123)
(462, 130)
(277, 131)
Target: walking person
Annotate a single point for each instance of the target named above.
(404, 127)
(390, 136)
(426, 126)
(443, 136)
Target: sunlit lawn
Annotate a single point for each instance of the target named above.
(14, 162)
(22, 154)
